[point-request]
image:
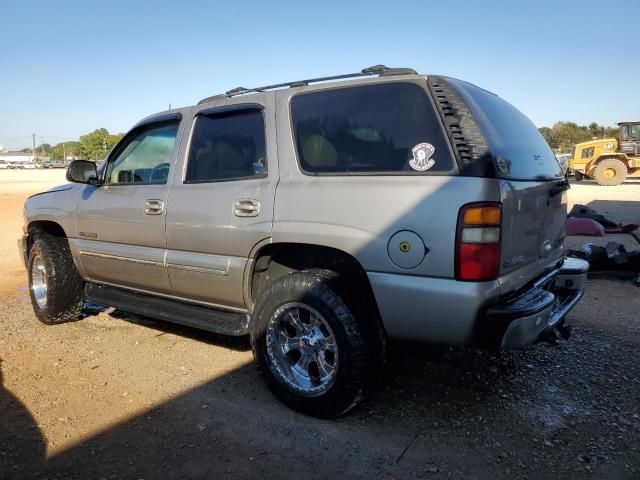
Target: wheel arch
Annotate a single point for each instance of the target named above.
(275, 260)
(43, 226)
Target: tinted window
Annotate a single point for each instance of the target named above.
(146, 157)
(520, 151)
(228, 146)
(369, 129)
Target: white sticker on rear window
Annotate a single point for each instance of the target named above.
(422, 160)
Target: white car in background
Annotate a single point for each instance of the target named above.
(4, 165)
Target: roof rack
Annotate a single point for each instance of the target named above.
(380, 70)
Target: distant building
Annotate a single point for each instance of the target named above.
(17, 157)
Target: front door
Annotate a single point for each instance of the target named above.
(221, 204)
(121, 224)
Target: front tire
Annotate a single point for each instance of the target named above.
(319, 350)
(55, 286)
(610, 172)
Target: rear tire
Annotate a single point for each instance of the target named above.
(55, 286)
(319, 349)
(610, 172)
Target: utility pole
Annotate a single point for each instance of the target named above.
(33, 150)
(64, 153)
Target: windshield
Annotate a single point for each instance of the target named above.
(520, 152)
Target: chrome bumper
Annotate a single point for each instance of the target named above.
(536, 313)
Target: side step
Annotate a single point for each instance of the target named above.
(217, 321)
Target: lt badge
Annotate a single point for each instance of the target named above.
(422, 160)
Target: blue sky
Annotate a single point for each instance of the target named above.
(69, 67)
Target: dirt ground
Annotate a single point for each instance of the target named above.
(121, 396)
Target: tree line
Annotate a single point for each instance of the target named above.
(92, 146)
(95, 145)
(564, 135)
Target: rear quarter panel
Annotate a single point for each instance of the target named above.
(359, 214)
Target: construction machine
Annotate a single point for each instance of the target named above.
(609, 161)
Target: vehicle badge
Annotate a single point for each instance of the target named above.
(422, 160)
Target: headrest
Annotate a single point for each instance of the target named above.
(318, 152)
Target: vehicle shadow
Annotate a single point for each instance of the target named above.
(232, 427)
(241, 344)
(22, 445)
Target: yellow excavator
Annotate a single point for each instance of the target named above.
(609, 161)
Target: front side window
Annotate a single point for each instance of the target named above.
(635, 132)
(227, 146)
(389, 128)
(145, 158)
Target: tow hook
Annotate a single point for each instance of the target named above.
(561, 332)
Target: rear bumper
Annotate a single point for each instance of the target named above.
(445, 311)
(536, 313)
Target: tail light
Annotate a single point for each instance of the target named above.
(478, 242)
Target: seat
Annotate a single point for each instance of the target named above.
(231, 163)
(206, 166)
(319, 153)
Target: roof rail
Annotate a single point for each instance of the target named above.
(380, 70)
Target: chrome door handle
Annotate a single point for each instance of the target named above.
(154, 207)
(246, 207)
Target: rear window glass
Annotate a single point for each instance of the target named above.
(386, 129)
(520, 151)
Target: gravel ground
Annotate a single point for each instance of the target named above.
(121, 396)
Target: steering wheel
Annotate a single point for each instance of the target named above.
(159, 173)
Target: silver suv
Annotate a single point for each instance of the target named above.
(319, 217)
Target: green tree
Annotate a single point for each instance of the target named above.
(564, 135)
(611, 132)
(69, 149)
(96, 145)
(546, 133)
(595, 130)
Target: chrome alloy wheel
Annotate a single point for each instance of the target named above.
(39, 281)
(302, 349)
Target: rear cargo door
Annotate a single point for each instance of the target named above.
(532, 188)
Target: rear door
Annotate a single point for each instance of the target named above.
(532, 188)
(221, 203)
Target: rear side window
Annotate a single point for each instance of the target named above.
(228, 146)
(519, 150)
(389, 128)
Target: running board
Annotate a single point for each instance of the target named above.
(196, 316)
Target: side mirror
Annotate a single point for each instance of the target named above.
(82, 171)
